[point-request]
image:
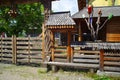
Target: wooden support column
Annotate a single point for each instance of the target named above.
(69, 47)
(101, 60)
(14, 55)
(52, 46)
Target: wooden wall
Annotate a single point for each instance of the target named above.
(113, 30)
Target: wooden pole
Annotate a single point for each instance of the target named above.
(52, 46)
(101, 60)
(69, 47)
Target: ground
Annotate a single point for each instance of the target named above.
(21, 72)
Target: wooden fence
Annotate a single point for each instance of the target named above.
(23, 50)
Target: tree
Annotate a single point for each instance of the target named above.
(29, 16)
(94, 31)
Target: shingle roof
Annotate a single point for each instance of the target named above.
(60, 18)
(115, 10)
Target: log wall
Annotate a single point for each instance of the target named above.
(113, 30)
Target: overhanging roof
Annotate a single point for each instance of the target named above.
(60, 19)
(115, 10)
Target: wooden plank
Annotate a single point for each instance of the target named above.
(22, 60)
(60, 60)
(86, 61)
(110, 54)
(77, 65)
(8, 38)
(86, 56)
(4, 46)
(35, 52)
(7, 59)
(85, 51)
(22, 39)
(36, 61)
(7, 51)
(113, 35)
(60, 51)
(22, 51)
(60, 55)
(112, 58)
(112, 63)
(117, 69)
(22, 56)
(23, 42)
(6, 55)
(36, 57)
(7, 42)
(114, 38)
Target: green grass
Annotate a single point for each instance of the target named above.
(97, 77)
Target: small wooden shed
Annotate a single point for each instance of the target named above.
(110, 32)
(63, 23)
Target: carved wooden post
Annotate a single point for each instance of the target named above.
(101, 60)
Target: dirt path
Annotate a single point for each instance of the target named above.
(13, 72)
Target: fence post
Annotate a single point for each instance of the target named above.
(14, 55)
(29, 49)
(1, 48)
(101, 60)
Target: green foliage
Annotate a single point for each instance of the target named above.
(29, 18)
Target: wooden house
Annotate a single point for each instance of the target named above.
(111, 30)
(95, 55)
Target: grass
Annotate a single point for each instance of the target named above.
(97, 77)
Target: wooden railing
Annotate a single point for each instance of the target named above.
(23, 50)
